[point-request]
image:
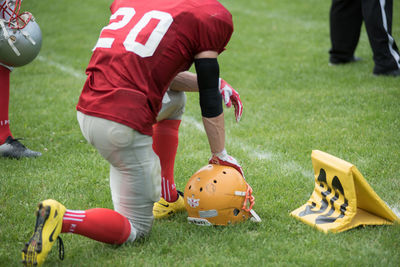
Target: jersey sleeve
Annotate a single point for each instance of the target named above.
(214, 28)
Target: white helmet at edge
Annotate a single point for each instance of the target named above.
(20, 35)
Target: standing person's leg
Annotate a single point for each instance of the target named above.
(4, 104)
(345, 27)
(378, 23)
(9, 147)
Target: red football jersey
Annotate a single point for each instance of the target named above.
(145, 45)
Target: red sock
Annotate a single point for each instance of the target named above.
(165, 145)
(104, 225)
(4, 99)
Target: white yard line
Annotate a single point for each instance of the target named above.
(62, 67)
(288, 166)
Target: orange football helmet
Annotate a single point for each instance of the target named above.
(218, 195)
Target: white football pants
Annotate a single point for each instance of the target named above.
(135, 172)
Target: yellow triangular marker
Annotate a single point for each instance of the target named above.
(342, 198)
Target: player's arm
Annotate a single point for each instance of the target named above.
(187, 81)
(207, 70)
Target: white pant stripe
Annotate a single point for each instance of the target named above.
(72, 219)
(395, 55)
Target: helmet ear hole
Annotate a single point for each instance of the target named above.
(224, 172)
(236, 212)
(201, 189)
(215, 181)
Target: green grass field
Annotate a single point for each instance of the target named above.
(294, 103)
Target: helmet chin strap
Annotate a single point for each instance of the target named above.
(255, 217)
(28, 36)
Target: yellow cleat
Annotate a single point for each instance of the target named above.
(163, 209)
(49, 216)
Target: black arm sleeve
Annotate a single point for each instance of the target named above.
(207, 70)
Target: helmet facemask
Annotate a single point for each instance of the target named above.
(9, 11)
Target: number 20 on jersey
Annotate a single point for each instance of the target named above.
(122, 17)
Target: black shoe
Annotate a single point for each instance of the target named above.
(12, 148)
(335, 62)
(392, 73)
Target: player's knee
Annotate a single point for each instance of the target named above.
(142, 224)
(180, 102)
(173, 106)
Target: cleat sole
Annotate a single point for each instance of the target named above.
(34, 245)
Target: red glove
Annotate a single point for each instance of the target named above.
(230, 96)
(222, 158)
